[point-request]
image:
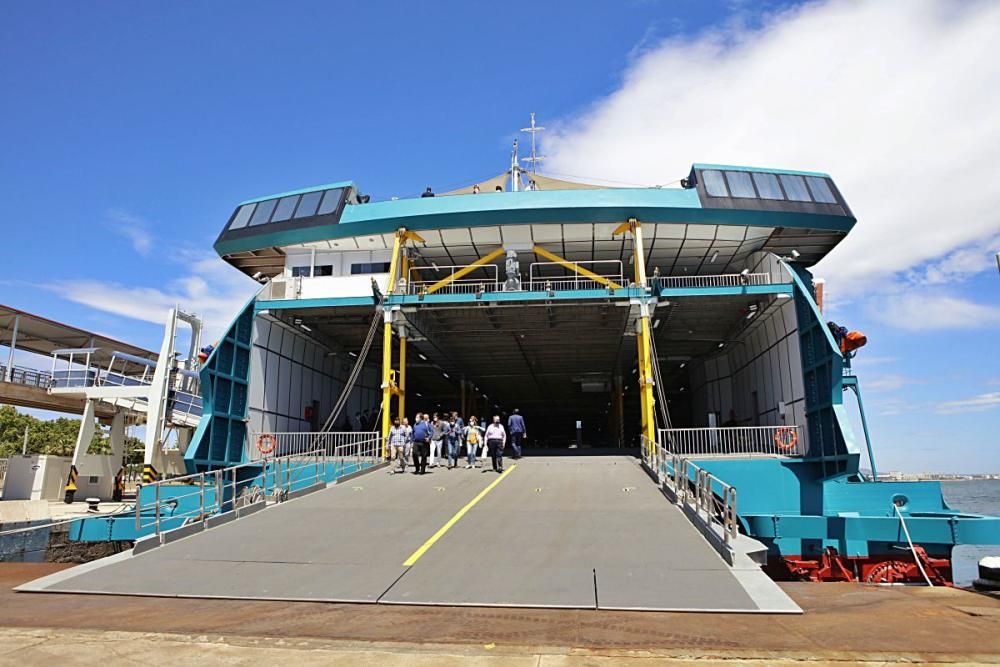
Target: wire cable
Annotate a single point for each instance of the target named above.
(916, 558)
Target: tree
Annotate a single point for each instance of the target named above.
(56, 436)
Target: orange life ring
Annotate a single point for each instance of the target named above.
(270, 439)
(786, 443)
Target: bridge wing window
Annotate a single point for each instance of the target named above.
(740, 184)
(820, 190)
(284, 209)
(263, 212)
(767, 186)
(331, 199)
(715, 186)
(242, 216)
(308, 204)
(795, 187)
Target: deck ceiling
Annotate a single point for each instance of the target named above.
(676, 249)
(539, 358)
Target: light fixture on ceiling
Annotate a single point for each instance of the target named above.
(656, 323)
(445, 374)
(435, 266)
(795, 253)
(683, 364)
(419, 395)
(715, 256)
(421, 356)
(297, 321)
(722, 345)
(305, 327)
(353, 354)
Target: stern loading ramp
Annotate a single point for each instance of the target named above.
(581, 532)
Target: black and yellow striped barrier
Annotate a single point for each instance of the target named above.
(149, 474)
(71, 485)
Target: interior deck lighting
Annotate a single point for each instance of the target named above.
(421, 356)
(446, 375)
(715, 256)
(305, 327)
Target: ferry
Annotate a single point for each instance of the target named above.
(679, 327)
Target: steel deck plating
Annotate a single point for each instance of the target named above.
(554, 532)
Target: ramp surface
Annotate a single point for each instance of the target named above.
(553, 532)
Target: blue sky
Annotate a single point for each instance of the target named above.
(130, 131)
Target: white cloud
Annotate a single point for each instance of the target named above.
(132, 227)
(210, 288)
(896, 100)
(926, 310)
(890, 382)
(975, 404)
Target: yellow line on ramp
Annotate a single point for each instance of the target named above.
(453, 520)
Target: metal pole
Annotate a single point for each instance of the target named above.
(157, 508)
(13, 346)
(201, 482)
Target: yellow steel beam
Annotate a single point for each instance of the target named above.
(575, 268)
(464, 271)
(402, 373)
(643, 332)
(386, 382)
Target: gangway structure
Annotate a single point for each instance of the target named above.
(161, 393)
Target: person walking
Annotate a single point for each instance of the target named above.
(458, 424)
(473, 438)
(515, 424)
(421, 442)
(439, 429)
(454, 438)
(496, 440)
(408, 447)
(397, 446)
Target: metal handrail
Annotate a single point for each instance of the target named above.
(489, 283)
(735, 441)
(716, 280)
(30, 377)
(694, 487)
(570, 279)
(329, 441)
(282, 471)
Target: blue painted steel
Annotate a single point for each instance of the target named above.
(225, 376)
(624, 293)
(611, 206)
(787, 505)
(122, 526)
(851, 381)
(830, 437)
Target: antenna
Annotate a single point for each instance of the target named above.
(534, 159)
(515, 168)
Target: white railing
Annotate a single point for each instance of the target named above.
(556, 276)
(709, 499)
(484, 278)
(222, 490)
(722, 280)
(734, 441)
(338, 446)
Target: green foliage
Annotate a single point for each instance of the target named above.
(57, 436)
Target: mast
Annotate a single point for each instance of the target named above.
(533, 129)
(515, 169)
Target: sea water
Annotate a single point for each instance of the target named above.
(977, 496)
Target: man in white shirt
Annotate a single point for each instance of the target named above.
(496, 440)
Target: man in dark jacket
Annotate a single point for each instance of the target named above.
(421, 443)
(428, 192)
(515, 426)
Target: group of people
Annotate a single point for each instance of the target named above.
(433, 438)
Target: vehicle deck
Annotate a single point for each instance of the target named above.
(565, 532)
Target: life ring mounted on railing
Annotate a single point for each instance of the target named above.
(266, 438)
(786, 438)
